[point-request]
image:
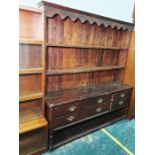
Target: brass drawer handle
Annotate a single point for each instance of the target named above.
(98, 109)
(100, 100)
(70, 118)
(122, 95)
(72, 108)
(120, 102)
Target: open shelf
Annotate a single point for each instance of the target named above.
(30, 110)
(75, 131)
(31, 125)
(30, 24)
(85, 46)
(30, 96)
(82, 70)
(30, 71)
(30, 87)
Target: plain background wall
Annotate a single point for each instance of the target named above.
(118, 9)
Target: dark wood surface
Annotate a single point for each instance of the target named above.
(65, 113)
(68, 32)
(75, 131)
(66, 96)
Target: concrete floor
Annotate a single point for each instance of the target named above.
(116, 139)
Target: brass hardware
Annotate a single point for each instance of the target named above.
(100, 100)
(72, 108)
(98, 109)
(122, 95)
(120, 102)
(70, 118)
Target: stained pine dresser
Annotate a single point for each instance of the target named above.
(74, 64)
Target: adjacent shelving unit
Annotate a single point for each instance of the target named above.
(31, 82)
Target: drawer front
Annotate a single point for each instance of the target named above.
(120, 99)
(119, 103)
(33, 141)
(123, 95)
(67, 109)
(94, 110)
(99, 101)
(67, 119)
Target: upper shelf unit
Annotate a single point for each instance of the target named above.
(30, 25)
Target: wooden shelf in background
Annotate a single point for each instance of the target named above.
(30, 71)
(85, 46)
(31, 125)
(82, 70)
(30, 9)
(30, 41)
(30, 96)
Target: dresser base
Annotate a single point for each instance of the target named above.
(63, 136)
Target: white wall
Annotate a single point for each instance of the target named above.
(118, 9)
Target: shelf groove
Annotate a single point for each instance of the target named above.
(30, 71)
(30, 41)
(30, 96)
(85, 46)
(82, 70)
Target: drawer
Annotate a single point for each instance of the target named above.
(68, 108)
(33, 141)
(94, 110)
(67, 119)
(119, 103)
(101, 100)
(123, 95)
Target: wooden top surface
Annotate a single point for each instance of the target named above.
(65, 96)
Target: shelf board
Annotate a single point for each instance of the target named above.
(30, 41)
(30, 96)
(82, 70)
(56, 145)
(31, 125)
(85, 46)
(30, 71)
